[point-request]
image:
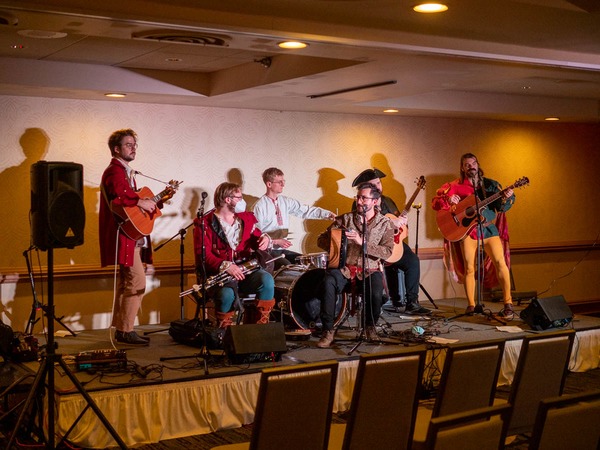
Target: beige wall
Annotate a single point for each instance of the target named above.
(320, 155)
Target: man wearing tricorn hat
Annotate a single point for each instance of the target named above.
(409, 263)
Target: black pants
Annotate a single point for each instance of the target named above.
(334, 283)
(411, 266)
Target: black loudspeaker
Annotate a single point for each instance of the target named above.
(245, 344)
(57, 209)
(544, 313)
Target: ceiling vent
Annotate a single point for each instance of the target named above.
(184, 37)
(8, 19)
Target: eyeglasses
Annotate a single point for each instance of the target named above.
(236, 196)
(130, 145)
(363, 198)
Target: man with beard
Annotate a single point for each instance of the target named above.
(379, 244)
(231, 238)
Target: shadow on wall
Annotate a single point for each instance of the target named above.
(331, 200)
(15, 184)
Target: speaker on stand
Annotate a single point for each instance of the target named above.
(57, 221)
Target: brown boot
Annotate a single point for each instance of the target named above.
(264, 308)
(326, 339)
(224, 319)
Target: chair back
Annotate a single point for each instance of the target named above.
(387, 387)
(570, 421)
(540, 373)
(480, 429)
(469, 377)
(294, 407)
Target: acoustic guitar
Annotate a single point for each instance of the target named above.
(458, 221)
(401, 233)
(137, 223)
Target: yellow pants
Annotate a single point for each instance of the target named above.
(493, 248)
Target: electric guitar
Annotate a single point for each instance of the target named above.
(401, 233)
(458, 221)
(137, 223)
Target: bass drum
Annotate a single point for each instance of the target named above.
(296, 297)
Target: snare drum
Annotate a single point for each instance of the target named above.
(295, 294)
(314, 260)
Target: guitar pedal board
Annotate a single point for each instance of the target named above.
(101, 359)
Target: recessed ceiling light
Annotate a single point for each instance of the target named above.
(390, 111)
(42, 34)
(552, 119)
(115, 95)
(292, 45)
(430, 8)
(173, 59)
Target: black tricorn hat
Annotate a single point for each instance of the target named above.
(367, 175)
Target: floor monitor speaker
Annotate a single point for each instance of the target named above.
(550, 312)
(255, 342)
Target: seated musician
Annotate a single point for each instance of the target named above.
(231, 238)
(273, 212)
(409, 263)
(379, 245)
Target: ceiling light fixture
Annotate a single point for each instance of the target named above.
(552, 119)
(390, 111)
(115, 95)
(429, 8)
(292, 45)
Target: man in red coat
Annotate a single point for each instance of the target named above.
(231, 239)
(119, 189)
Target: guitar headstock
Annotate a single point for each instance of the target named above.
(523, 181)
(171, 189)
(421, 182)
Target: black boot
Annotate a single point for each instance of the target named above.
(415, 309)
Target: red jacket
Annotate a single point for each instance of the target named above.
(115, 187)
(217, 248)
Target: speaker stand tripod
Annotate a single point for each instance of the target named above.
(46, 371)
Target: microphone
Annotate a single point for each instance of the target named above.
(204, 195)
(136, 172)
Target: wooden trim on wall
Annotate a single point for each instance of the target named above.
(66, 272)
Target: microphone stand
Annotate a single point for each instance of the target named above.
(36, 304)
(479, 263)
(418, 208)
(199, 298)
(361, 316)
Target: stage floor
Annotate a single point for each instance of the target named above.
(186, 394)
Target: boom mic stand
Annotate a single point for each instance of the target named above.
(199, 298)
(46, 369)
(37, 305)
(417, 206)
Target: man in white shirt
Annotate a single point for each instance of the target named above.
(273, 212)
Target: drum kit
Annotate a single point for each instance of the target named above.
(296, 294)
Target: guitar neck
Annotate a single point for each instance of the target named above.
(410, 201)
(160, 195)
(483, 203)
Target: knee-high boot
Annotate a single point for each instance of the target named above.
(259, 311)
(224, 319)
